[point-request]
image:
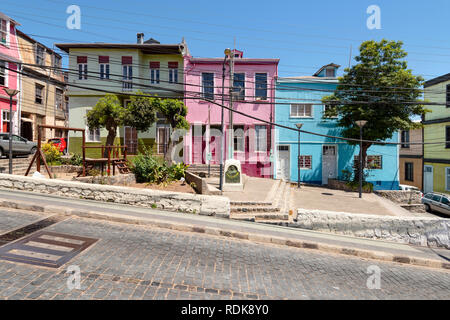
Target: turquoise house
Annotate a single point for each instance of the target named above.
(298, 100)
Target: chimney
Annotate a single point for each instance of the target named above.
(140, 38)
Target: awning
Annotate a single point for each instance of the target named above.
(26, 120)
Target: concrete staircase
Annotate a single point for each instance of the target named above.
(20, 165)
(202, 170)
(274, 210)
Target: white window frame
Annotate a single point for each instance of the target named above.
(304, 156)
(83, 73)
(356, 160)
(257, 138)
(6, 74)
(242, 138)
(447, 175)
(127, 77)
(7, 31)
(106, 69)
(291, 115)
(155, 75)
(88, 133)
(173, 73)
(267, 85)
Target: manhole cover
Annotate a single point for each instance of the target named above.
(45, 248)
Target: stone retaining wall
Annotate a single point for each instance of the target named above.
(173, 201)
(399, 196)
(118, 179)
(433, 232)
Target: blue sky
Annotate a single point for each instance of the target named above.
(303, 35)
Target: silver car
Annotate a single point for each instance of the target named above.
(20, 146)
(437, 202)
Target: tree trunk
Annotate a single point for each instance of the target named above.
(110, 139)
(168, 154)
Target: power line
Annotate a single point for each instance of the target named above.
(247, 115)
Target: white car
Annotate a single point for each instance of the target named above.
(405, 187)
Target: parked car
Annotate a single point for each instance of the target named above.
(60, 143)
(437, 202)
(20, 145)
(405, 187)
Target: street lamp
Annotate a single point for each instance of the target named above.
(299, 126)
(222, 147)
(360, 124)
(11, 93)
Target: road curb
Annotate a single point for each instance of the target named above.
(253, 237)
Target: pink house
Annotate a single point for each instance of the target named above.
(9, 59)
(253, 86)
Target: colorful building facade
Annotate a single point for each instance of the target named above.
(411, 158)
(10, 61)
(322, 158)
(43, 88)
(252, 140)
(437, 129)
(146, 66)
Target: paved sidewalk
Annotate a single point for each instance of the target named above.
(321, 198)
(255, 189)
(365, 248)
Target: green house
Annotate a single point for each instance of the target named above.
(148, 66)
(437, 129)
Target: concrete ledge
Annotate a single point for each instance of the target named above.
(229, 233)
(431, 232)
(173, 201)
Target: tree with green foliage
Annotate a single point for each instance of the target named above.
(380, 89)
(109, 113)
(175, 112)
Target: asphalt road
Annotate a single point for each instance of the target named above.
(135, 262)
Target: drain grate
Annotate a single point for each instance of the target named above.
(43, 248)
(24, 231)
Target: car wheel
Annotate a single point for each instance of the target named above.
(427, 208)
(1, 153)
(33, 150)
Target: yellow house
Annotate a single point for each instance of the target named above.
(437, 129)
(43, 88)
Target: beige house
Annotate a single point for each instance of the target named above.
(411, 158)
(43, 90)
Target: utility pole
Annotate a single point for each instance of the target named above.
(231, 133)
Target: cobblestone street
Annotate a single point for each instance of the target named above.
(133, 262)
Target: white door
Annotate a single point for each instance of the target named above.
(329, 165)
(283, 166)
(427, 179)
